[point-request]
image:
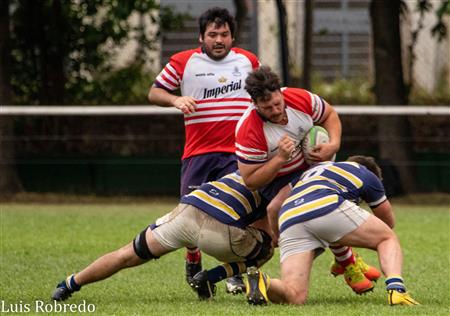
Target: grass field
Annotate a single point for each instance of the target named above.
(42, 243)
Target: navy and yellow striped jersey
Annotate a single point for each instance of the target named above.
(324, 187)
(228, 200)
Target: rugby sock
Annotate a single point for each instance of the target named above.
(395, 282)
(343, 255)
(71, 284)
(225, 271)
(193, 255)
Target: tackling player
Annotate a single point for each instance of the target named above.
(211, 80)
(323, 210)
(214, 218)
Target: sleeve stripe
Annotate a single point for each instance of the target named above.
(246, 161)
(172, 72)
(250, 150)
(260, 158)
(377, 202)
(164, 83)
(168, 79)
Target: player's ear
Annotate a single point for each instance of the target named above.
(200, 39)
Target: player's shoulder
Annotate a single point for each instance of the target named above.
(358, 170)
(299, 99)
(249, 55)
(350, 166)
(295, 93)
(184, 56)
(249, 122)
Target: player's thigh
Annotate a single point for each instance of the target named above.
(345, 219)
(179, 228)
(369, 234)
(298, 239)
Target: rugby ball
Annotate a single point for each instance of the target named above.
(316, 135)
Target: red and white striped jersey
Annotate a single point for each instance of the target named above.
(257, 139)
(218, 88)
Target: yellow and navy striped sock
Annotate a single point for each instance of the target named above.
(395, 282)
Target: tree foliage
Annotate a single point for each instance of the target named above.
(63, 51)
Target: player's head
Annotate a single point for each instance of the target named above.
(369, 163)
(216, 27)
(264, 88)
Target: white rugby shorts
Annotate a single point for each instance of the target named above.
(320, 232)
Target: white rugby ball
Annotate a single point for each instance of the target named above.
(316, 135)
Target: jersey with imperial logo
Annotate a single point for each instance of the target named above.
(257, 139)
(218, 88)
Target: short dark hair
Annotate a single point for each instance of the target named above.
(220, 16)
(368, 162)
(261, 82)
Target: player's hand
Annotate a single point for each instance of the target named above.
(185, 104)
(322, 152)
(285, 147)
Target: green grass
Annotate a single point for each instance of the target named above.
(42, 243)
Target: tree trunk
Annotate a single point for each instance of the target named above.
(241, 14)
(9, 181)
(393, 131)
(307, 44)
(282, 24)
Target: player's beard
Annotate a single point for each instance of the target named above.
(215, 56)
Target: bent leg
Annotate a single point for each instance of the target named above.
(294, 283)
(375, 234)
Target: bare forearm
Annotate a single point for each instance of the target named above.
(332, 123)
(334, 128)
(263, 175)
(161, 97)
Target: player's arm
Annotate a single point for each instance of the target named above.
(260, 174)
(332, 123)
(273, 210)
(162, 97)
(384, 212)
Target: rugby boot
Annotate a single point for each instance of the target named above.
(398, 298)
(370, 272)
(257, 284)
(202, 286)
(357, 280)
(63, 290)
(235, 285)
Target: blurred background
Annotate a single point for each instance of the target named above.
(108, 52)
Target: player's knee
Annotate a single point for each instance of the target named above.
(141, 248)
(296, 295)
(386, 235)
